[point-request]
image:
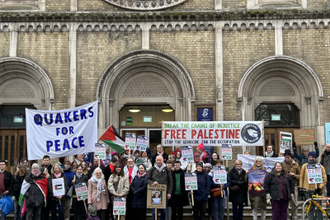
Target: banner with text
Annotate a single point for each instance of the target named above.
(248, 161)
(61, 133)
(212, 133)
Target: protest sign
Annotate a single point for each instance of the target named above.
(314, 173)
(285, 141)
(248, 161)
(304, 136)
(156, 196)
(327, 133)
(227, 152)
(256, 182)
(141, 143)
(219, 174)
(81, 191)
(61, 133)
(190, 180)
(187, 154)
(58, 187)
(119, 206)
(130, 140)
(212, 133)
(100, 151)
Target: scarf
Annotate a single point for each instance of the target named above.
(312, 162)
(160, 153)
(57, 175)
(99, 186)
(79, 175)
(36, 174)
(258, 168)
(238, 170)
(160, 168)
(140, 175)
(269, 154)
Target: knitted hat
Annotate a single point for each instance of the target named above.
(141, 164)
(207, 165)
(312, 153)
(197, 155)
(148, 151)
(201, 147)
(199, 164)
(287, 152)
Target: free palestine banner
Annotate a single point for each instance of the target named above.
(61, 133)
(212, 133)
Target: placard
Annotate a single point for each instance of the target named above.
(81, 191)
(190, 180)
(58, 187)
(256, 182)
(248, 161)
(219, 174)
(130, 140)
(314, 173)
(327, 133)
(100, 151)
(141, 143)
(156, 196)
(119, 206)
(285, 141)
(304, 137)
(212, 133)
(187, 154)
(227, 152)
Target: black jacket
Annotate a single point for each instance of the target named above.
(153, 159)
(107, 173)
(272, 186)
(33, 195)
(175, 201)
(163, 177)
(8, 179)
(235, 179)
(139, 192)
(17, 186)
(274, 155)
(83, 179)
(50, 186)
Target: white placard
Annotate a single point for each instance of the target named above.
(187, 154)
(130, 140)
(227, 152)
(219, 174)
(58, 187)
(100, 151)
(314, 173)
(285, 141)
(141, 143)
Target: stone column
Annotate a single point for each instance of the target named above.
(217, 4)
(278, 38)
(73, 5)
(145, 36)
(73, 66)
(219, 71)
(13, 40)
(42, 5)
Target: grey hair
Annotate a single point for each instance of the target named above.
(304, 149)
(247, 152)
(259, 158)
(34, 165)
(98, 169)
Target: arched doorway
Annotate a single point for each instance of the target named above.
(281, 81)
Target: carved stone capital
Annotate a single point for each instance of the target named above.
(145, 4)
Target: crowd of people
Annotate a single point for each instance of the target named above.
(127, 176)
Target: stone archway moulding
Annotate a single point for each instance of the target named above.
(22, 69)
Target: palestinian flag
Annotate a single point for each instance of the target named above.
(43, 186)
(112, 138)
(286, 137)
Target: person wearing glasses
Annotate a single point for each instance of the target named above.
(130, 170)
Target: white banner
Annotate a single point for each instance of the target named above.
(61, 133)
(212, 133)
(248, 161)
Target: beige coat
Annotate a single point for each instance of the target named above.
(304, 179)
(92, 195)
(293, 168)
(123, 185)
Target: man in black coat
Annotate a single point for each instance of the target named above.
(179, 197)
(161, 152)
(6, 181)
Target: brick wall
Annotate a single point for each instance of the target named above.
(4, 44)
(57, 5)
(193, 5)
(312, 47)
(318, 4)
(232, 4)
(51, 52)
(95, 52)
(195, 50)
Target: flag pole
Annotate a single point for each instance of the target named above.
(263, 137)
(162, 142)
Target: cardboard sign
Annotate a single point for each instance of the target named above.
(187, 154)
(141, 143)
(285, 141)
(119, 206)
(304, 137)
(81, 191)
(219, 175)
(156, 196)
(314, 173)
(227, 152)
(58, 187)
(130, 141)
(100, 151)
(190, 180)
(256, 182)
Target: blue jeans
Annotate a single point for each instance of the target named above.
(53, 205)
(237, 215)
(218, 206)
(162, 215)
(3, 217)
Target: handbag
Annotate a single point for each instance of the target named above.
(234, 188)
(216, 192)
(70, 191)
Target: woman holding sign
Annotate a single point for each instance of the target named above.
(57, 186)
(79, 178)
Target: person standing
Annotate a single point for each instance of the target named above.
(215, 157)
(6, 181)
(191, 167)
(21, 172)
(204, 156)
(270, 151)
(79, 158)
(280, 186)
(159, 174)
(138, 189)
(147, 162)
(160, 152)
(293, 169)
(318, 188)
(200, 195)
(47, 168)
(325, 162)
(68, 173)
(130, 170)
(238, 189)
(169, 165)
(207, 168)
(303, 157)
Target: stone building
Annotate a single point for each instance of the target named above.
(240, 59)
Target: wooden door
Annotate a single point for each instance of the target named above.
(13, 147)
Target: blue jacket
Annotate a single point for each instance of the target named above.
(302, 158)
(68, 174)
(204, 186)
(225, 186)
(139, 192)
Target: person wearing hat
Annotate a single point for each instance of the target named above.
(201, 195)
(191, 167)
(147, 162)
(303, 157)
(293, 169)
(204, 156)
(318, 188)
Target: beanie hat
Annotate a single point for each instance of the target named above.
(141, 164)
(207, 165)
(113, 153)
(199, 164)
(312, 153)
(287, 152)
(201, 147)
(197, 155)
(148, 151)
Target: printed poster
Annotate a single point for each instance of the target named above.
(141, 143)
(190, 181)
(187, 154)
(285, 141)
(256, 182)
(100, 151)
(314, 173)
(156, 196)
(227, 152)
(130, 141)
(248, 161)
(58, 187)
(81, 191)
(119, 206)
(327, 133)
(219, 175)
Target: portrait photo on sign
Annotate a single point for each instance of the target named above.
(156, 197)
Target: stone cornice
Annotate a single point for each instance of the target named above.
(159, 16)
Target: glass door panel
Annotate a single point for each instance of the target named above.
(155, 138)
